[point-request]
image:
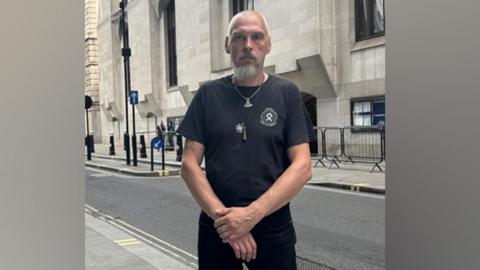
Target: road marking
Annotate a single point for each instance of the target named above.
(356, 187)
(101, 174)
(125, 240)
(123, 226)
(363, 194)
(109, 172)
(116, 174)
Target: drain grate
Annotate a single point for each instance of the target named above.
(306, 264)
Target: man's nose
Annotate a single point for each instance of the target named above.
(249, 43)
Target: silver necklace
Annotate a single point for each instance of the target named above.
(247, 104)
(241, 127)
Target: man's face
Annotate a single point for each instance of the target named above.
(248, 43)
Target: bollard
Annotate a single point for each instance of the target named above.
(163, 153)
(89, 149)
(126, 147)
(151, 155)
(112, 146)
(92, 144)
(143, 148)
(134, 149)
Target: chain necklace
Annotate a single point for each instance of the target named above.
(241, 127)
(247, 104)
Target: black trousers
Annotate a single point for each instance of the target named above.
(274, 236)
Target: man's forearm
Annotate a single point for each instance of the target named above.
(200, 188)
(244, 248)
(237, 221)
(283, 190)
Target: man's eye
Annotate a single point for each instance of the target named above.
(257, 37)
(239, 38)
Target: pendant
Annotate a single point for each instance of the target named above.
(239, 128)
(247, 103)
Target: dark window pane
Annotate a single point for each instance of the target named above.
(379, 120)
(369, 19)
(379, 107)
(238, 5)
(171, 44)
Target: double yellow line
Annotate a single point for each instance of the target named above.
(127, 242)
(356, 187)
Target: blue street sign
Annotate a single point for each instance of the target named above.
(133, 97)
(157, 143)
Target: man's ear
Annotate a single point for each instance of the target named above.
(227, 48)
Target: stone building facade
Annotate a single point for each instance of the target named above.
(334, 50)
(92, 76)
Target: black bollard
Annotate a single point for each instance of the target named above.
(143, 148)
(134, 149)
(92, 144)
(112, 146)
(151, 155)
(163, 153)
(126, 147)
(89, 149)
(125, 142)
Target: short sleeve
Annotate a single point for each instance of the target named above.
(192, 126)
(298, 128)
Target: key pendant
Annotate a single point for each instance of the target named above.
(244, 137)
(247, 103)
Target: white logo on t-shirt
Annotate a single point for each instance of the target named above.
(269, 117)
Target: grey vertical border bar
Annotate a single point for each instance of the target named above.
(41, 137)
(433, 132)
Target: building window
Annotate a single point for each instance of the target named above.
(369, 19)
(237, 6)
(368, 112)
(171, 44)
(241, 5)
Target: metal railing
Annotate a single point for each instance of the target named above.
(351, 144)
(336, 145)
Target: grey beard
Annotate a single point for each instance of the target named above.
(244, 72)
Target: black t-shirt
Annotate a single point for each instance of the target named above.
(241, 171)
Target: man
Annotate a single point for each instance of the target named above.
(253, 130)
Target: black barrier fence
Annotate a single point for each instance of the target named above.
(351, 144)
(335, 145)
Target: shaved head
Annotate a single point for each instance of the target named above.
(235, 18)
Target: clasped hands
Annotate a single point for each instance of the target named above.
(233, 225)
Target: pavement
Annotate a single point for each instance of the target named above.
(110, 246)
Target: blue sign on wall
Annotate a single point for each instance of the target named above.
(157, 143)
(133, 97)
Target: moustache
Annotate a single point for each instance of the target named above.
(247, 56)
